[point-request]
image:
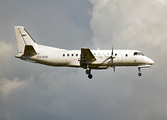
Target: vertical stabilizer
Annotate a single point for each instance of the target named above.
(23, 40)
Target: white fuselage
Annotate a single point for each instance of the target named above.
(71, 58)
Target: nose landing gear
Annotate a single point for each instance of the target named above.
(139, 74)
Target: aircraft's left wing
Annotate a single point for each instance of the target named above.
(86, 55)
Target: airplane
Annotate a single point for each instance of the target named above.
(85, 58)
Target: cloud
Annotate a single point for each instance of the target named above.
(139, 24)
(6, 51)
(7, 62)
(128, 24)
(161, 2)
(7, 86)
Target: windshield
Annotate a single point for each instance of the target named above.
(138, 53)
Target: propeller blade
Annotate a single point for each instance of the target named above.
(112, 57)
(107, 59)
(114, 69)
(111, 61)
(112, 51)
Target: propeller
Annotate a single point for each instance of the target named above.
(111, 59)
(112, 63)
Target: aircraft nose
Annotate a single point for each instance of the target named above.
(150, 62)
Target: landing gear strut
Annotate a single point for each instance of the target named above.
(88, 71)
(139, 74)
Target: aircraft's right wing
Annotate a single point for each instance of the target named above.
(86, 55)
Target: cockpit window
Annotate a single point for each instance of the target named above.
(138, 53)
(142, 54)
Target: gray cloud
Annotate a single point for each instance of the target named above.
(134, 23)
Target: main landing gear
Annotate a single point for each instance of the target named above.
(88, 71)
(139, 74)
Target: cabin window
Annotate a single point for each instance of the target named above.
(76, 54)
(94, 53)
(115, 54)
(126, 55)
(72, 54)
(67, 54)
(63, 55)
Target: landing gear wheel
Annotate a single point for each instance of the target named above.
(87, 71)
(139, 74)
(90, 76)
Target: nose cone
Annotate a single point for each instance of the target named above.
(150, 62)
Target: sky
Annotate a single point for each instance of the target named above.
(34, 91)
